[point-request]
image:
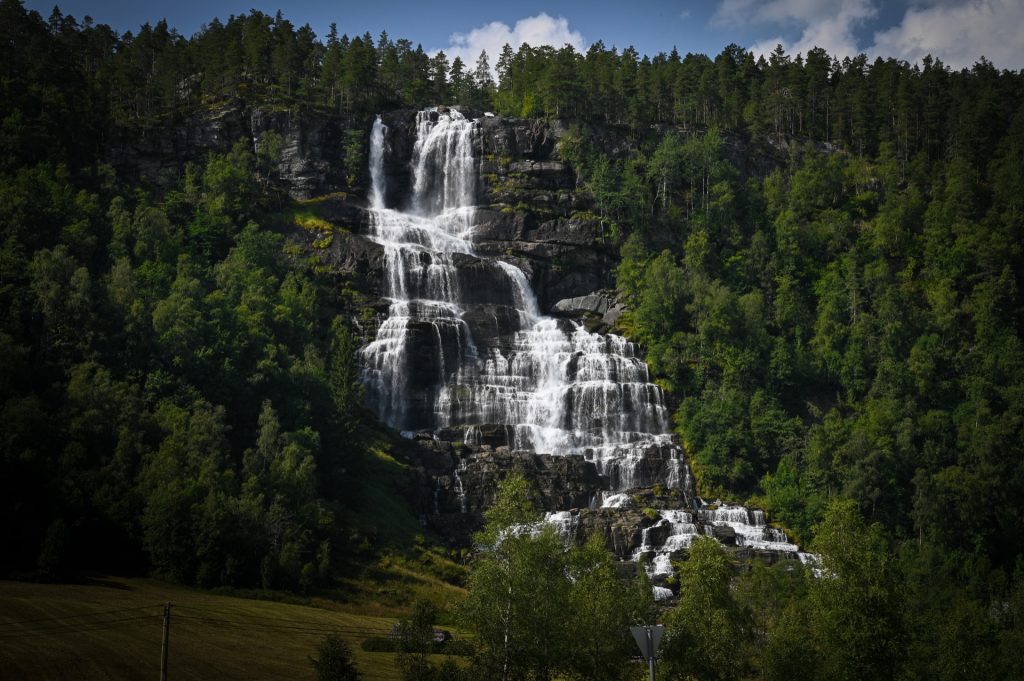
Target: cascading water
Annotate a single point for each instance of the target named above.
(459, 489)
(674, 530)
(421, 280)
(557, 388)
(750, 527)
(466, 349)
(680, 533)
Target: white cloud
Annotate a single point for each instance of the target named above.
(537, 30)
(829, 24)
(958, 34)
(792, 12)
(685, 14)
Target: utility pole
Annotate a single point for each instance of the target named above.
(650, 646)
(167, 633)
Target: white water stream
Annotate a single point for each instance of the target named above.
(558, 388)
(552, 386)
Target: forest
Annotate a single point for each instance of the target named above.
(841, 335)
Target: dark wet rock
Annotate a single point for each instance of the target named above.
(493, 326)
(518, 139)
(311, 153)
(357, 259)
(501, 225)
(558, 481)
(724, 534)
(494, 434)
(573, 231)
(482, 281)
(622, 529)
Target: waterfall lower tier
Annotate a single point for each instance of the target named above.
(657, 537)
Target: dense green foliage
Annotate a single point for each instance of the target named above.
(859, 612)
(823, 259)
(171, 381)
(79, 85)
(334, 661)
(538, 610)
(175, 390)
(847, 326)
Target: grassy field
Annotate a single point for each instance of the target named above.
(111, 629)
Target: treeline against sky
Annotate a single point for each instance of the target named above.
(841, 330)
(73, 74)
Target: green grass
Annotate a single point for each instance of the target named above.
(308, 215)
(53, 631)
(111, 628)
(382, 512)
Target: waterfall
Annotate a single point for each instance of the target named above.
(465, 345)
(750, 526)
(421, 283)
(377, 163)
(459, 489)
(679, 530)
(564, 522)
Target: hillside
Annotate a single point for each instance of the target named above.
(111, 628)
(299, 316)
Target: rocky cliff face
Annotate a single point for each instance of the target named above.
(311, 157)
(530, 214)
(458, 482)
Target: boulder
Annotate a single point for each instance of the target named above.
(593, 303)
(724, 534)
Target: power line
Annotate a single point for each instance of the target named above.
(72, 628)
(57, 624)
(218, 617)
(285, 625)
(289, 622)
(72, 625)
(240, 613)
(84, 614)
(219, 614)
(312, 630)
(325, 628)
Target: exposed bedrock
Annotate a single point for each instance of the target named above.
(468, 478)
(311, 154)
(489, 278)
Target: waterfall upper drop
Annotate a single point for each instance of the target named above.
(377, 164)
(464, 345)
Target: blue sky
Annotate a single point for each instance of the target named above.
(957, 31)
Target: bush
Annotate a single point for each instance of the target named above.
(335, 661)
